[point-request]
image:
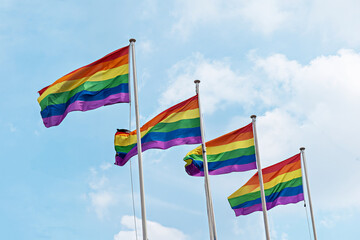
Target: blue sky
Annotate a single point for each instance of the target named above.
(295, 65)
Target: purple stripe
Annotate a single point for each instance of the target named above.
(85, 106)
(269, 205)
(157, 145)
(192, 170)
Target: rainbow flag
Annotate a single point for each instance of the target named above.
(103, 82)
(175, 126)
(282, 184)
(232, 152)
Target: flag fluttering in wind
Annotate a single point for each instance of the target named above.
(175, 126)
(103, 82)
(282, 184)
(232, 152)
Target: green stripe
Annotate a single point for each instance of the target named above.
(224, 155)
(165, 127)
(277, 188)
(168, 127)
(63, 97)
(124, 149)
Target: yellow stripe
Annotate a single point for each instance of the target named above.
(224, 148)
(196, 151)
(98, 76)
(279, 179)
(283, 178)
(121, 140)
(243, 190)
(177, 116)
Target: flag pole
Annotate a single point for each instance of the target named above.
(262, 192)
(138, 134)
(302, 150)
(210, 210)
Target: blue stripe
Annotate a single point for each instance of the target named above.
(166, 136)
(219, 164)
(286, 192)
(59, 109)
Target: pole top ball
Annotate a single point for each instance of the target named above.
(197, 81)
(132, 40)
(302, 149)
(253, 116)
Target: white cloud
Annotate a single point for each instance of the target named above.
(106, 166)
(12, 127)
(264, 16)
(267, 16)
(155, 230)
(101, 201)
(330, 221)
(189, 14)
(101, 195)
(146, 47)
(219, 84)
(315, 105)
(249, 229)
(334, 20)
(319, 111)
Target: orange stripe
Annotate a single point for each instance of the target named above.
(88, 71)
(189, 104)
(226, 139)
(240, 134)
(288, 168)
(268, 176)
(165, 114)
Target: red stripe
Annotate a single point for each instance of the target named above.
(43, 90)
(189, 104)
(280, 165)
(272, 171)
(240, 134)
(103, 63)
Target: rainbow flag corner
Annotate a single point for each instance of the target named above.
(282, 185)
(178, 125)
(232, 152)
(103, 82)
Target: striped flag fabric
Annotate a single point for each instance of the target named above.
(232, 152)
(103, 82)
(175, 126)
(282, 184)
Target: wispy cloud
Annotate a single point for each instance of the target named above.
(335, 20)
(331, 220)
(155, 230)
(308, 105)
(219, 85)
(101, 195)
(12, 127)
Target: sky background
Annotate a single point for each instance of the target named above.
(295, 64)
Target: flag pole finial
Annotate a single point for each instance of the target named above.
(253, 116)
(197, 82)
(132, 40)
(302, 149)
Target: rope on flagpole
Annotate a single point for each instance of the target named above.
(307, 219)
(131, 172)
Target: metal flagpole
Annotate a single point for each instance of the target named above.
(210, 210)
(262, 192)
(138, 134)
(302, 150)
